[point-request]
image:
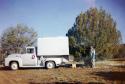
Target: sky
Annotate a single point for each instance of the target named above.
(54, 17)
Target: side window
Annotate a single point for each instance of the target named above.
(30, 50)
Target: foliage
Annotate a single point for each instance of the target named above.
(97, 28)
(14, 39)
(121, 51)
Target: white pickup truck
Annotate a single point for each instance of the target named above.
(50, 52)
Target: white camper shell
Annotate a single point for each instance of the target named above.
(50, 52)
(53, 46)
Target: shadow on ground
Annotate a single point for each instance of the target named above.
(4, 69)
(58, 83)
(75, 82)
(113, 76)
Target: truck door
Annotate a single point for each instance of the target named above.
(29, 59)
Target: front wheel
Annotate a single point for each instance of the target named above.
(50, 65)
(14, 66)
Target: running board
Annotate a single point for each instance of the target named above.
(31, 66)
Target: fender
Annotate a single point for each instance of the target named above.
(10, 59)
(19, 60)
(57, 61)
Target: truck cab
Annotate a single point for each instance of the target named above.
(30, 58)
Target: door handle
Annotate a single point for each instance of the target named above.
(33, 56)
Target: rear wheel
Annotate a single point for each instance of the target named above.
(14, 66)
(50, 65)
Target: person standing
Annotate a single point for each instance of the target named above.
(92, 54)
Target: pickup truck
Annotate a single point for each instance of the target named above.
(50, 52)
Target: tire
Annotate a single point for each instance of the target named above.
(50, 65)
(14, 66)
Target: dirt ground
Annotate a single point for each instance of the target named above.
(106, 72)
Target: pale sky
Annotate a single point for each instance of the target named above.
(54, 17)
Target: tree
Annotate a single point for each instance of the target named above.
(14, 39)
(97, 28)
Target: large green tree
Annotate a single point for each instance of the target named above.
(14, 39)
(97, 28)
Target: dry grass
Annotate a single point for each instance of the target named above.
(112, 71)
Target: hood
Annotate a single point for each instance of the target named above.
(14, 55)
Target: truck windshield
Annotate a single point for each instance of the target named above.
(30, 50)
